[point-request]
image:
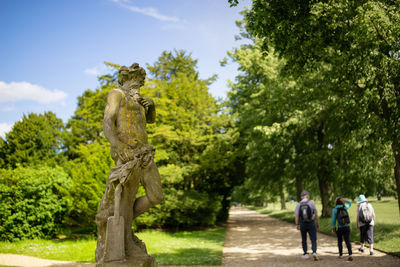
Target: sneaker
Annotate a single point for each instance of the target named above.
(350, 258)
(315, 256)
(340, 257)
(371, 253)
(361, 250)
(305, 256)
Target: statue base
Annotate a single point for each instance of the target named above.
(145, 261)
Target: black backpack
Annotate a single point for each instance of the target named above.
(342, 216)
(305, 212)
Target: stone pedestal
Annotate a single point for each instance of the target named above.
(146, 261)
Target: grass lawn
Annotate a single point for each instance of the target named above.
(180, 248)
(386, 230)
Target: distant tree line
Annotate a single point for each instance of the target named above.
(53, 175)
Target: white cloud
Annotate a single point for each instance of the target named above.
(98, 70)
(147, 11)
(8, 108)
(5, 128)
(92, 71)
(16, 91)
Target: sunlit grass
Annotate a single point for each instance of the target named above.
(386, 231)
(180, 248)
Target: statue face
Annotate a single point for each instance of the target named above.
(123, 74)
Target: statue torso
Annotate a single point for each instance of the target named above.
(131, 121)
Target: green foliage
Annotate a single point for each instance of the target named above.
(86, 126)
(88, 171)
(181, 209)
(191, 127)
(304, 101)
(34, 202)
(354, 49)
(34, 139)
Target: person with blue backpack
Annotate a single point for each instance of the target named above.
(307, 221)
(365, 222)
(341, 225)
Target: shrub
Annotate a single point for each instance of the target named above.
(34, 202)
(181, 209)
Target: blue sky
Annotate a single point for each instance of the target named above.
(51, 51)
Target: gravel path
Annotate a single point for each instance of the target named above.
(255, 239)
(28, 261)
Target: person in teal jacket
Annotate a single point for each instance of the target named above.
(341, 225)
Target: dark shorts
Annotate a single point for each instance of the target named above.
(367, 234)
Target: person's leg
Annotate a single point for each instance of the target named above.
(151, 182)
(346, 235)
(313, 237)
(362, 238)
(339, 234)
(303, 231)
(370, 238)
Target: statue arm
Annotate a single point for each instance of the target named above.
(110, 117)
(151, 114)
(151, 109)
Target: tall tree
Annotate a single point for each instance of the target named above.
(190, 128)
(35, 139)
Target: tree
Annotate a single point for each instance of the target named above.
(189, 130)
(356, 41)
(86, 127)
(35, 139)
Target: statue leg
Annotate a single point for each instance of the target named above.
(151, 182)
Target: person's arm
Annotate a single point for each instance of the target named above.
(333, 222)
(373, 213)
(297, 219)
(314, 209)
(358, 218)
(317, 220)
(347, 204)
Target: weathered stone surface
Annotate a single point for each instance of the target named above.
(148, 261)
(125, 118)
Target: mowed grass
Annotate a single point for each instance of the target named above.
(386, 230)
(181, 248)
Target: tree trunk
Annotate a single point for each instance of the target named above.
(324, 175)
(396, 153)
(299, 188)
(283, 203)
(325, 189)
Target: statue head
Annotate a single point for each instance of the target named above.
(134, 72)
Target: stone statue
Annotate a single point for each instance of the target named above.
(125, 118)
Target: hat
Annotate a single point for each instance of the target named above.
(361, 199)
(304, 193)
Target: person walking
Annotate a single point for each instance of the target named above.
(307, 221)
(365, 222)
(341, 220)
